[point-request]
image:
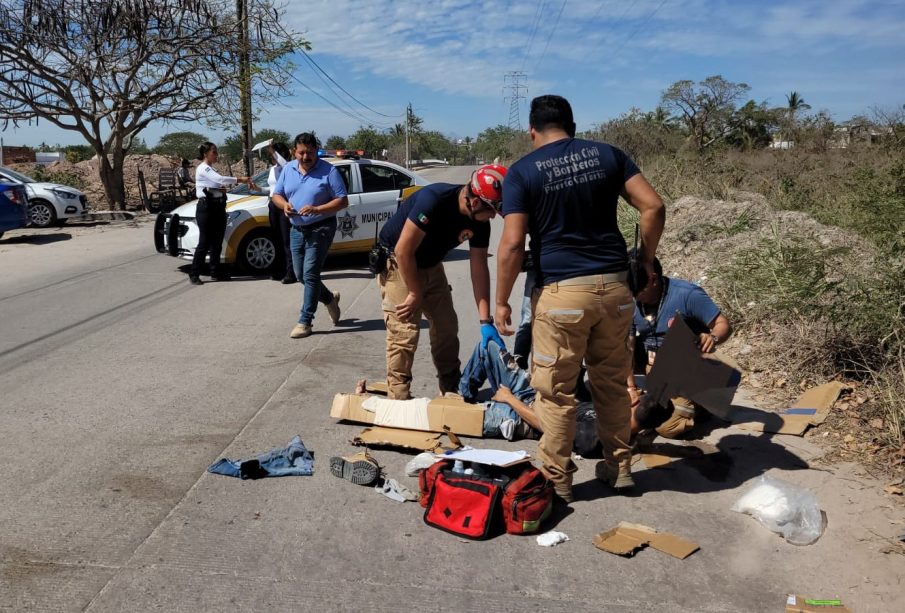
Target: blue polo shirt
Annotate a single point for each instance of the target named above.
(320, 185)
(569, 189)
(679, 296)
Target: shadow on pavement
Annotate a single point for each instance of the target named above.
(37, 239)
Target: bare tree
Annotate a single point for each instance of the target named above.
(108, 68)
(705, 107)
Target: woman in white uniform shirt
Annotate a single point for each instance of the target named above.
(279, 223)
(210, 213)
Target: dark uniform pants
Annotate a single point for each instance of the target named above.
(588, 320)
(402, 336)
(210, 214)
(279, 226)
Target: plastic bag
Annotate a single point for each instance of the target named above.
(783, 508)
(419, 462)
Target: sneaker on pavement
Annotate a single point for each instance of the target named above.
(618, 478)
(360, 469)
(195, 280)
(563, 493)
(300, 331)
(288, 280)
(333, 308)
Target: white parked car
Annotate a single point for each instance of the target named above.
(48, 203)
(374, 188)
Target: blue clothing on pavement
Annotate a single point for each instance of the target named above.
(319, 185)
(679, 296)
(435, 209)
(570, 189)
(293, 460)
(309, 246)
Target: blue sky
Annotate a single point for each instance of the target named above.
(448, 58)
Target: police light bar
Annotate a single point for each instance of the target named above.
(347, 153)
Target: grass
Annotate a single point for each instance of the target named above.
(842, 310)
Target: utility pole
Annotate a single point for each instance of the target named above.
(245, 84)
(408, 122)
(515, 81)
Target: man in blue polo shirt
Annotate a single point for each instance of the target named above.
(657, 305)
(429, 224)
(311, 192)
(564, 194)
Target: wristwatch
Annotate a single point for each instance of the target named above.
(489, 320)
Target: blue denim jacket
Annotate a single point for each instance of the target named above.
(293, 460)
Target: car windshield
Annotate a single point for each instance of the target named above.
(18, 176)
(260, 180)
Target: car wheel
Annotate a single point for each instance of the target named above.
(257, 252)
(173, 236)
(42, 214)
(159, 227)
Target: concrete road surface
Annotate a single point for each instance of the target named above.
(120, 383)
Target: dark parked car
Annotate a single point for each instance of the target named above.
(13, 207)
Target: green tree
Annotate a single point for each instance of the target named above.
(336, 142)
(499, 142)
(752, 126)
(139, 147)
(231, 149)
(705, 107)
(369, 140)
(180, 144)
(77, 153)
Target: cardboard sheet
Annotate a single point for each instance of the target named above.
(443, 414)
(626, 539)
(811, 409)
(409, 439)
(681, 370)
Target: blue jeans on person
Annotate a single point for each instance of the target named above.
(293, 460)
(495, 366)
(522, 345)
(309, 245)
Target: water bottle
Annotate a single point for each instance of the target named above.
(458, 467)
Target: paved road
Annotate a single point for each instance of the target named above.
(120, 383)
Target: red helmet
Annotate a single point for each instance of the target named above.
(487, 184)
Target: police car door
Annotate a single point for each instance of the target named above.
(347, 220)
(380, 193)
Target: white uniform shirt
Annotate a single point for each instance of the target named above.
(275, 171)
(207, 177)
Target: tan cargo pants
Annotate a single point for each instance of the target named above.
(402, 336)
(581, 319)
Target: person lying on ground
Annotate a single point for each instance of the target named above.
(510, 412)
(656, 306)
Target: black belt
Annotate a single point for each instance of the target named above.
(316, 224)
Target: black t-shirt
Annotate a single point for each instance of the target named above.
(435, 209)
(569, 189)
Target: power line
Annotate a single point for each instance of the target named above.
(537, 17)
(638, 29)
(332, 80)
(347, 113)
(553, 31)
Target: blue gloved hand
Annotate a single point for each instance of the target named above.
(489, 333)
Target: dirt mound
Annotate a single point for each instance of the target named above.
(150, 165)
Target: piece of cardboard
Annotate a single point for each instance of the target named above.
(395, 437)
(795, 603)
(626, 539)
(681, 370)
(444, 414)
(376, 387)
(811, 409)
(656, 460)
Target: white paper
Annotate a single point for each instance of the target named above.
(493, 457)
(410, 414)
